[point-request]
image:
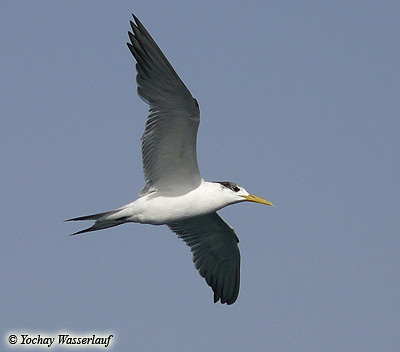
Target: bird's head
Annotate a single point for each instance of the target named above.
(235, 194)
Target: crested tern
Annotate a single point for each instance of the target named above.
(175, 194)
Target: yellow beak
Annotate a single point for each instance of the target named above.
(255, 199)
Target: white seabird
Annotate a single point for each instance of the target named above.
(175, 194)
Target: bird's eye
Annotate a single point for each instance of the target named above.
(236, 189)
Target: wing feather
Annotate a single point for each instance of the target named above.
(169, 140)
(216, 256)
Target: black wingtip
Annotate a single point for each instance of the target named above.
(136, 19)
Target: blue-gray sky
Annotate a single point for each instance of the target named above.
(300, 104)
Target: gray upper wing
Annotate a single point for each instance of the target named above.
(215, 253)
(169, 140)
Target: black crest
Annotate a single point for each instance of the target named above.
(231, 185)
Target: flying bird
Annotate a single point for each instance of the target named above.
(175, 194)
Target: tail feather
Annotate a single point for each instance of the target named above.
(103, 220)
(95, 216)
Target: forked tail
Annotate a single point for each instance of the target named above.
(103, 220)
